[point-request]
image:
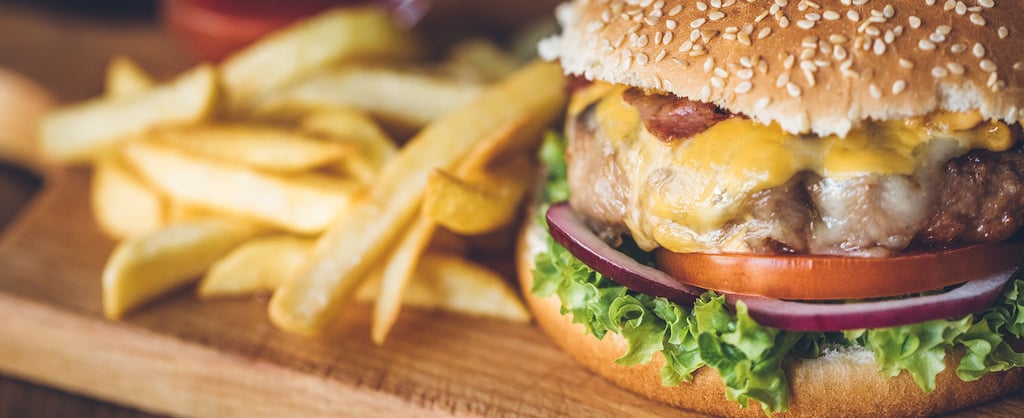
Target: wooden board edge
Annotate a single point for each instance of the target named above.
(61, 349)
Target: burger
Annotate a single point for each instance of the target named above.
(765, 206)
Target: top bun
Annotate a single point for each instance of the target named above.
(820, 66)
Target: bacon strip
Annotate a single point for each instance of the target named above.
(669, 117)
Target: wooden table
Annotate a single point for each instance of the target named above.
(68, 53)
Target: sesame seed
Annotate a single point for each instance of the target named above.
(839, 53)
(1018, 65)
(696, 23)
(661, 56)
(709, 64)
(705, 93)
(915, 22)
(744, 87)
(716, 16)
(782, 80)
(667, 39)
(675, 10)
(875, 91)
(977, 19)
(905, 63)
(988, 4)
(987, 66)
(720, 72)
(671, 24)
(956, 68)
(937, 37)
(925, 45)
(745, 73)
(939, 72)
(944, 29)
(793, 90)
(853, 15)
(642, 40)
(879, 47)
(978, 50)
(641, 58)
(899, 86)
(1003, 32)
(957, 48)
(763, 102)
(764, 33)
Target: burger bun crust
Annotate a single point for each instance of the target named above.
(823, 69)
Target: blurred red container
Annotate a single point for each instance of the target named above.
(211, 29)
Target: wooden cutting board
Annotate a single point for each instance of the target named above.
(183, 356)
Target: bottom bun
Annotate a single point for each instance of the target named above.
(840, 383)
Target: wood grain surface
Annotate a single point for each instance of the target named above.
(182, 356)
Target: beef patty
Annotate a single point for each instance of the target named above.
(972, 198)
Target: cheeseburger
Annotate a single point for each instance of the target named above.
(787, 205)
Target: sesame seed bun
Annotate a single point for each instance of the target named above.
(838, 384)
(811, 66)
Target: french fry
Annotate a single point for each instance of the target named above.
(125, 77)
(455, 284)
(357, 241)
(477, 204)
(151, 265)
(300, 204)
(407, 98)
(122, 204)
(178, 212)
(397, 274)
(305, 47)
(259, 265)
(261, 147)
(485, 58)
(353, 126)
(80, 132)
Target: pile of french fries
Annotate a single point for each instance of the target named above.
(277, 171)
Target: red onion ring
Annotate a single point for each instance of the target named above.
(568, 230)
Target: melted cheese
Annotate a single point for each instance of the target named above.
(713, 173)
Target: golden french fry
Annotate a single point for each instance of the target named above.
(79, 132)
(502, 201)
(151, 265)
(300, 204)
(357, 241)
(404, 97)
(485, 58)
(353, 126)
(262, 147)
(477, 204)
(396, 275)
(307, 46)
(455, 284)
(122, 204)
(125, 77)
(178, 212)
(259, 265)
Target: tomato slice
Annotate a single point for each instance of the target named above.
(808, 277)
